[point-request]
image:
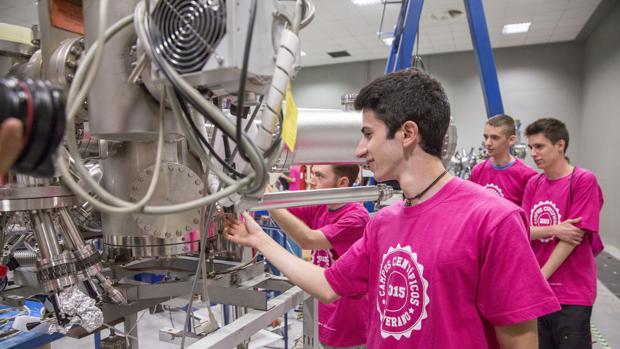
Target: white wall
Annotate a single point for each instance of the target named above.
(535, 81)
(600, 123)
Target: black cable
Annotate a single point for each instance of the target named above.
(244, 74)
(187, 115)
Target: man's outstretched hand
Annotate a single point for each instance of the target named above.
(246, 233)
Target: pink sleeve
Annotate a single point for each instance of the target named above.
(305, 213)
(529, 174)
(526, 203)
(474, 172)
(348, 276)
(348, 229)
(511, 287)
(587, 202)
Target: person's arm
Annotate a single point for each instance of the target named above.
(287, 178)
(11, 132)
(565, 231)
(522, 335)
(309, 277)
(306, 238)
(561, 251)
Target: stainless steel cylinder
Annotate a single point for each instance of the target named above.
(128, 175)
(324, 136)
(45, 233)
(322, 196)
(119, 110)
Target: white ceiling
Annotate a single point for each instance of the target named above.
(339, 25)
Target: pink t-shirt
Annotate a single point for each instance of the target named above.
(508, 182)
(295, 174)
(547, 202)
(343, 323)
(443, 273)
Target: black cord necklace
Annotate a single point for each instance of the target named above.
(408, 201)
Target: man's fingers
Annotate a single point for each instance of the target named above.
(10, 143)
(250, 222)
(579, 232)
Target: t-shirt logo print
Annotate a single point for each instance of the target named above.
(322, 258)
(495, 189)
(544, 214)
(402, 293)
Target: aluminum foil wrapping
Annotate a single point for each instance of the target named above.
(80, 308)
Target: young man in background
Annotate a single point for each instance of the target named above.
(503, 174)
(329, 231)
(563, 204)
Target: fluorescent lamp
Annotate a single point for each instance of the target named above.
(303, 53)
(366, 2)
(516, 28)
(388, 40)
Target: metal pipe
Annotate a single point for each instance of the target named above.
(73, 234)
(322, 196)
(131, 329)
(84, 251)
(45, 234)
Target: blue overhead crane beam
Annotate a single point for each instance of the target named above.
(404, 39)
(486, 63)
(404, 36)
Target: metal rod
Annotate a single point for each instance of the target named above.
(45, 234)
(255, 320)
(73, 234)
(131, 320)
(323, 196)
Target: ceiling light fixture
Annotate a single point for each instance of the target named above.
(366, 2)
(303, 53)
(388, 40)
(516, 28)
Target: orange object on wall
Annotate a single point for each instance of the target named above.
(67, 15)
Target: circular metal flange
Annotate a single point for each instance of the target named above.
(34, 198)
(177, 183)
(65, 59)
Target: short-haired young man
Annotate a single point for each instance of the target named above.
(329, 231)
(563, 204)
(502, 173)
(435, 265)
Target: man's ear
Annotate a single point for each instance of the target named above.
(561, 145)
(410, 133)
(512, 140)
(342, 182)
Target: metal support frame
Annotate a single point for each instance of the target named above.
(241, 329)
(405, 35)
(131, 328)
(310, 326)
(484, 52)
